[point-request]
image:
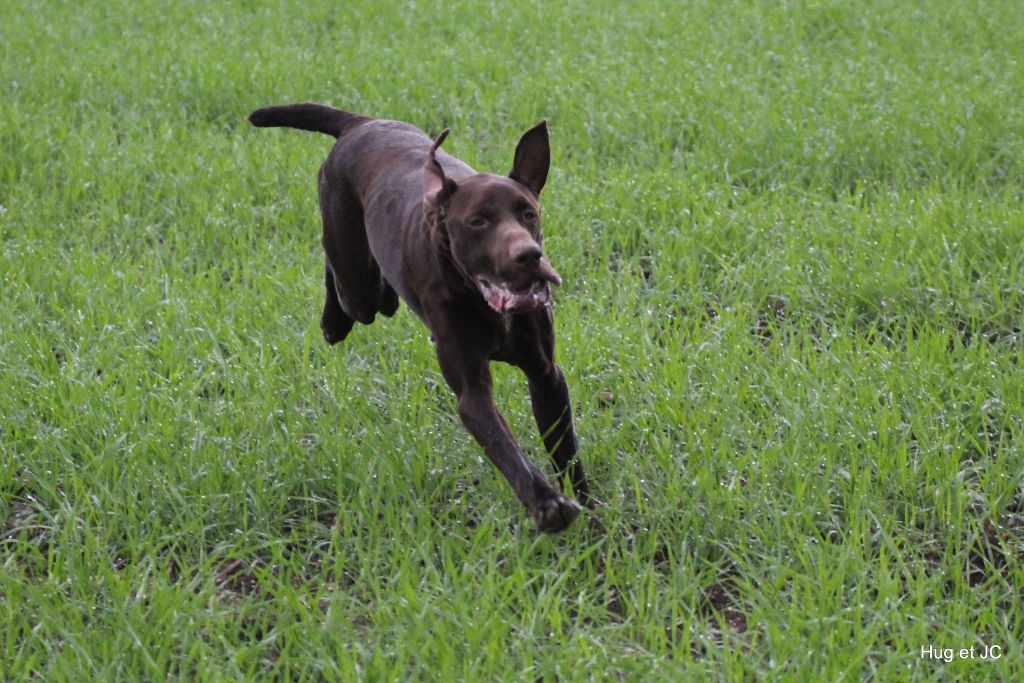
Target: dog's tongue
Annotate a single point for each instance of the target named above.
(496, 299)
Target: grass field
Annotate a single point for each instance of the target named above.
(791, 236)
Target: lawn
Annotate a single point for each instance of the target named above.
(791, 237)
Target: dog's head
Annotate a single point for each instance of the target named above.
(492, 224)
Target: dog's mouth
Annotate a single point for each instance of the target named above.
(502, 297)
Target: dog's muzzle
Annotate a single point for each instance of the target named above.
(503, 297)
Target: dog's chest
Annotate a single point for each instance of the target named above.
(494, 333)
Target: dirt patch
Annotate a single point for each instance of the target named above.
(237, 577)
(721, 605)
(23, 530)
(990, 333)
(722, 614)
(772, 316)
(19, 520)
(990, 551)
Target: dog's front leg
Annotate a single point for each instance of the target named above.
(533, 351)
(469, 376)
(552, 409)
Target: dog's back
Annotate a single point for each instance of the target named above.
(370, 189)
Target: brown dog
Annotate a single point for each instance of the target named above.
(463, 249)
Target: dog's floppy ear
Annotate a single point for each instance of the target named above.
(437, 188)
(533, 157)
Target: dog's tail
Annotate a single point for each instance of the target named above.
(312, 117)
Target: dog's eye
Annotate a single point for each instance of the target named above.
(478, 222)
(529, 215)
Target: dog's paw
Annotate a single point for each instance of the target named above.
(335, 327)
(332, 337)
(555, 514)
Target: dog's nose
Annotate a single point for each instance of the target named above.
(524, 252)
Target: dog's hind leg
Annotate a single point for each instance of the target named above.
(352, 274)
(388, 299)
(334, 322)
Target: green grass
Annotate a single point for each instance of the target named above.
(791, 238)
